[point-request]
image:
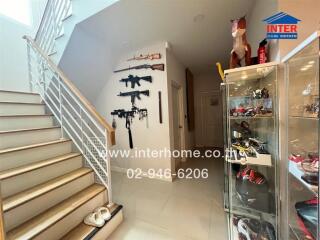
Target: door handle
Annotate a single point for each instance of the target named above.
(180, 126)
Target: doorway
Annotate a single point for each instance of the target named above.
(211, 119)
(178, 121)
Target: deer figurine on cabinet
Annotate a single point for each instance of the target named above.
(241, 48)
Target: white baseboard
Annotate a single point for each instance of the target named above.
(144, 174)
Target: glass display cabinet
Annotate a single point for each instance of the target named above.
(251, 159)
(302, 78)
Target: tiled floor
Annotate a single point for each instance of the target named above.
(182, 210)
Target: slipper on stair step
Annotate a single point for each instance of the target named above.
(104, 212)
(94, 219)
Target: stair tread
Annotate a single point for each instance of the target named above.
(15, 149)
(28, 130)
(28, 115)
(84, 231)
(30, 167)
(34, 192)
(40, 223)
(22, 103)
(29, 93)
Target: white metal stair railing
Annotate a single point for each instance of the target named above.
(92, 135)
(51, 26)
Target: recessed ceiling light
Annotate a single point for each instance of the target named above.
(243, 77)
(198, 18)
(311, 62)
(304, 68)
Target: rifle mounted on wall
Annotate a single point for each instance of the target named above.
(135, 80)
(159, 67)
(151, 56)
(134, 95)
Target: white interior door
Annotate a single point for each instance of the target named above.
(177, 119)
(211, 119)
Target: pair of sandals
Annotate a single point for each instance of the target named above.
(98, 217)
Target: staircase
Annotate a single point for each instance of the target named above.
(46, 189)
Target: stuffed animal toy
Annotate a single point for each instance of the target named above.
(241, 48)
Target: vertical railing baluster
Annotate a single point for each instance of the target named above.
(43, 76)
(29, 67)
(108, 170)
(60, 106)
(81, 120)
(55, 26)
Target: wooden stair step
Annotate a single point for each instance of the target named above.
(23, 103)
(83, 231)
(30, 167)
(10, 150)
(26, 116)
(32, 193)
(45, 220)
(18, 92)
(28, 130)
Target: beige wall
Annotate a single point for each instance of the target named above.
(256, 30)
(308, 11)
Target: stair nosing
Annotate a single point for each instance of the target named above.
(28, 130)
(37, 165)
(23, 103)
(27, 147)
(55, 185)
(59, 218)
(34, 115)
(27, 93)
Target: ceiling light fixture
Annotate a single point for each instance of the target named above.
(311, 62)
(243, 77)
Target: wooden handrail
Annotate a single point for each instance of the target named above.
(77, 93)
(2, 231)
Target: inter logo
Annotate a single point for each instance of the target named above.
(282, 26)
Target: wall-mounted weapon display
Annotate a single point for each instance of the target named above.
(135, 80)
(159, 67)
(152, 56)
(143, 114)
(128, 116)
(134, 95)
(160, 107)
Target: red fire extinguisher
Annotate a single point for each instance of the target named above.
(262, 52)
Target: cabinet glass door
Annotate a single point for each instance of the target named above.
(303, 143)
(251, 196)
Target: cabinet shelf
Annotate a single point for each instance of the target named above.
(297, 173)
(255, 117)
(304, 118)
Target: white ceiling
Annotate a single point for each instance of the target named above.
(133, 24)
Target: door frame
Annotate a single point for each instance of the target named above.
(178, 86)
